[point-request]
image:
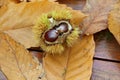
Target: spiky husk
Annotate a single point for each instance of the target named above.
(43, 24)
(52, 49)
(72, 37)
(61, 14)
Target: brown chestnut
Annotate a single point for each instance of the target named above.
(62, 27)
(51, 35)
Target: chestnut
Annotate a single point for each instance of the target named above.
(51, 35)
(62, 27)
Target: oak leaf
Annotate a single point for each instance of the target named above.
(22, 15)
(114, 22)
(16, 62)
(98, 15)
(74, 64)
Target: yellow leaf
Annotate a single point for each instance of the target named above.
(6, 2)
(16, 16)
(16, 62)
(74, 64)
(3, 2)
(98, 15)
(23, 36)
(114, 22)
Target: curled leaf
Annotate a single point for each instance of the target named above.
(74, 64)
(98, 15)
(114, 22)
(16, 62)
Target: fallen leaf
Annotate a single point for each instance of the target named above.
(16, 62)
(25, 14)
(114, 22)
(74, 64)
(98, 15)
(41, 0)
(6, 2)
(75, 4)
(23, 36)
(3, 2)
(22, 15)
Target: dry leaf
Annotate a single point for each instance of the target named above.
(23, 36)
(3, 2)
(16, 16)
(114, 22)
(35, 0)
(75, 4)
(98, 15)
(6, 2)
(74, 64)
(25, 14)
(16, 62)
(15, 1)
(40, 0)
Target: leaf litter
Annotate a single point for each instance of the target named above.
(75, 63)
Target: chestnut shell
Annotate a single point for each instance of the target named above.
(51, 35)
(62, 27)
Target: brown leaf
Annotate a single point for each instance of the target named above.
(23, 36)
(15, 1)
(16, 16)
(40, 0)
(35, 0)
(74, 64)
(25, 14)
(3, 2)
(75, 4)
(98, 14)
(16, 62)
(114, 22)
(6, 2)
